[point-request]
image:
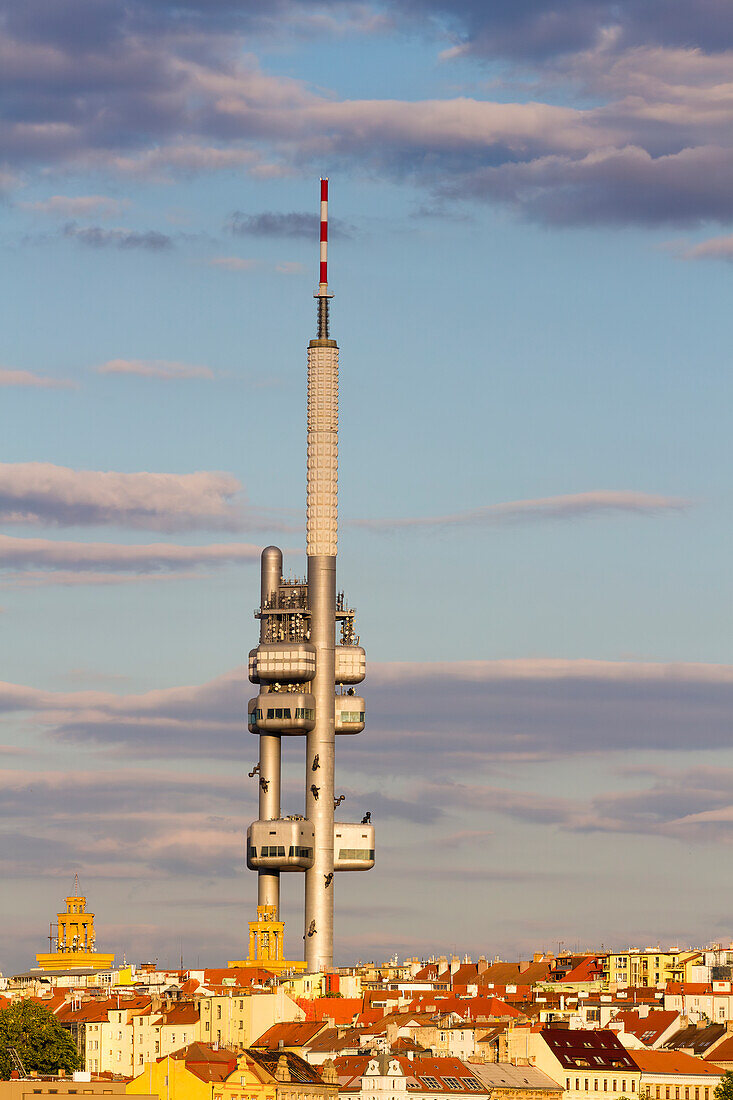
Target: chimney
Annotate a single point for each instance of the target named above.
(282, 1073)
(482, 964)
(524, 964)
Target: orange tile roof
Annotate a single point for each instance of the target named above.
(293, 1034)
(673, 1061)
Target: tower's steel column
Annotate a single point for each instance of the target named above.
(321, 550)
(268, 882)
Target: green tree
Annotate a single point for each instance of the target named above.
(42, 1043)
(724, 1091)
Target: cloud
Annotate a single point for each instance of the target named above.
(693, 806)
(716, 248)
(38, 492)
(18, 553)
(79, 206)
(160, 93)
(234, 263)
(519, 711)
(155, 368)
(569, 506)
(30, 379)
(290, 267)
(291, 226)
(151, 240)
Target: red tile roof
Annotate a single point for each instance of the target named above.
(648, 1029)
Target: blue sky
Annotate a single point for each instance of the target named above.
(532, 207)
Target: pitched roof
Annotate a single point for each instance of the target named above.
(205, 1062)
(497, 1075)
(587, 1049)
(423, 1073)
(723, 1052)
(300, 1071)
(647, 1029)
(673, 1061)
(697, 1039)
(293, 1034)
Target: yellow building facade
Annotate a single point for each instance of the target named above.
(75, 939)
(650, 967)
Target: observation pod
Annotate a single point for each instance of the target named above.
(353, 846)
(350, 664)
(282, 662)
(350, 713)
(286, 712)
(285, 844)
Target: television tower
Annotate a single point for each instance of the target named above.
(306, 676)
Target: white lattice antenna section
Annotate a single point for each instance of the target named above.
(323, 417)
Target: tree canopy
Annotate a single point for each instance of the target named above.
(42, 1043)
(724, 1091)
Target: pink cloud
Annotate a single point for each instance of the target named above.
(165, 369)
(568, 506)
(79, 206)
(101, 562)
(39, 492)
(234, 263)
(31, 379)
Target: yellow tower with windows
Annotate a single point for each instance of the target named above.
(266, 943)
(75, 940)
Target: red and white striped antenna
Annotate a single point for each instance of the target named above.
(323, 294)
(323, 280)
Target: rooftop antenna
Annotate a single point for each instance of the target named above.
(322, 296)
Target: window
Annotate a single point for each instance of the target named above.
(240, 1025)
(452, 1082)
(140, 1059)
(687, 1093)
(356, 853)
(157, 1048)
(577, 1084)
(605, 1085)
(218, 1012)
(586, 1084)
(469, 1083)
(595, 1084)
(567, 1083)
(431, 1082)
(613, 1085)
(623, 1085)
(208, 1025)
